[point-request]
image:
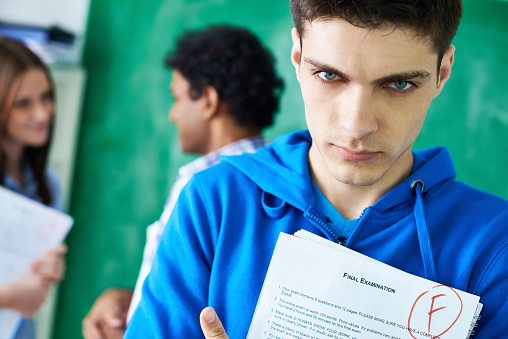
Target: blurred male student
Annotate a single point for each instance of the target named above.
(368, 72)
(226, 90)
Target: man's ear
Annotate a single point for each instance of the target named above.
(296, 52)
(211, 101)
(445, 71)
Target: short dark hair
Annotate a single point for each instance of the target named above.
(437, 20)
(234, 62)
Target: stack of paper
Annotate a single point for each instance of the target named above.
(27, 230)
(317, 289)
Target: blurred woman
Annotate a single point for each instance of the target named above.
(26, 121)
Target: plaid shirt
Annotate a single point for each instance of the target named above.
(185, 173)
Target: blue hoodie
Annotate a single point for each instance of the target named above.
(218, 243)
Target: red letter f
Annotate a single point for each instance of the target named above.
(432, 310)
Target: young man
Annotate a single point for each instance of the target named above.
(226, 91)
(368, 72)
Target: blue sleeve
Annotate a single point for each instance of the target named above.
(493, 322)
(176, 289)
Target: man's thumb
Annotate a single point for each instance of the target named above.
(115, 322)
(115, 318)
(211, 325)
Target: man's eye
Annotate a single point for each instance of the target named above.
(327, 76)
(400, 85)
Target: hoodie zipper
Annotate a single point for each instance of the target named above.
(326, 228)
(343, 240)
(338, 240)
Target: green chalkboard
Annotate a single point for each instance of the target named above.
(128, 151)
(470, 116)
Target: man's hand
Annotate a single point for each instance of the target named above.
(51, 266)
(106, 319)
(211, 325)
(25, 295)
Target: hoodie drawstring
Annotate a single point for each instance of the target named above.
(423, 232)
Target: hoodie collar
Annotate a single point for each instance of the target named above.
(432, 166)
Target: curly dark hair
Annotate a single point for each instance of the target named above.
(436, 19)
(234, 62)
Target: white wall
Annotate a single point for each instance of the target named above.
(68, 14)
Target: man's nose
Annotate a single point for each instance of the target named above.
(358, 114)
(172, 115)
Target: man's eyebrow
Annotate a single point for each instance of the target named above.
(325, 68)
(402, 76)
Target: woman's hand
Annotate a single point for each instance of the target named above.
(25, 295)
(51, 266)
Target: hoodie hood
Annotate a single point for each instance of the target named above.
(278, 170)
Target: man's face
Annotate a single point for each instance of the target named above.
(187, 115)
(366, 94)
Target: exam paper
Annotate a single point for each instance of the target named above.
(27, 230)
(316, 289)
